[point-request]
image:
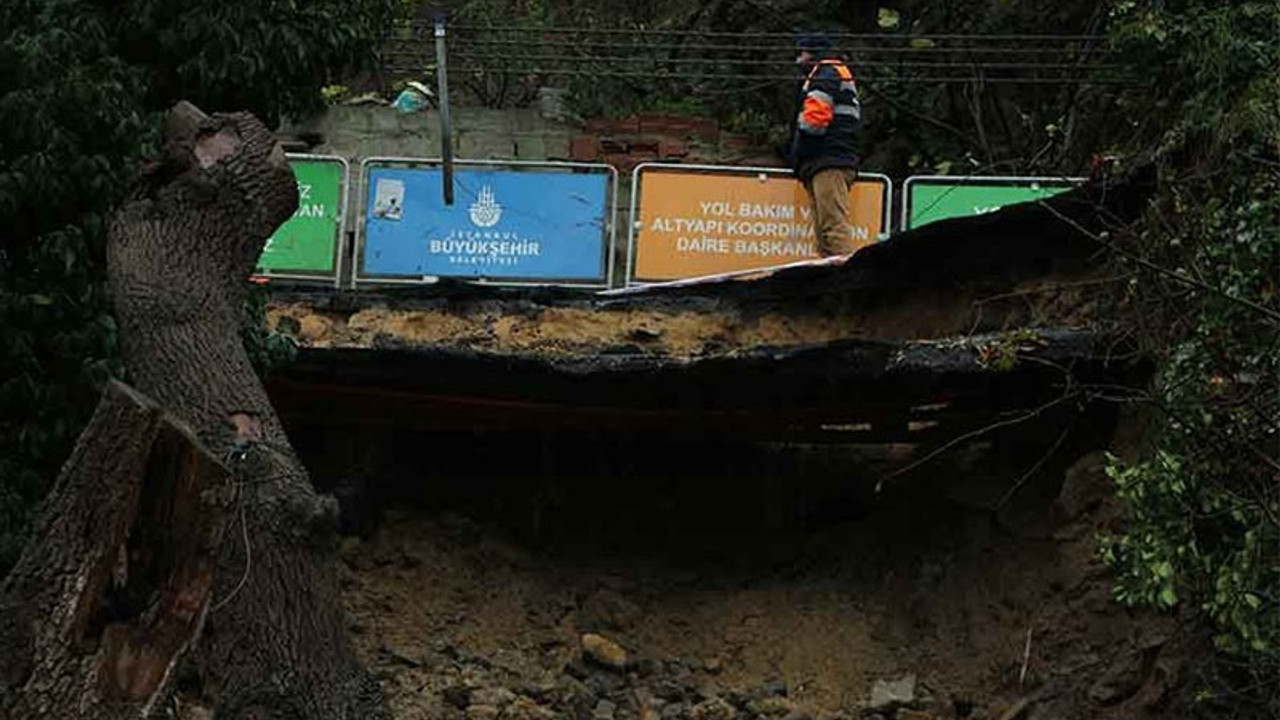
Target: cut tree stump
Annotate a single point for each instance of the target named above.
(103, 604)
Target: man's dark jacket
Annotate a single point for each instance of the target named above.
(828, 115)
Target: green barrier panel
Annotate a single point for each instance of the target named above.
(306, 246)
(928, 199)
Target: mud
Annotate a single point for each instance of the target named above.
(672, 330)
(739, 593)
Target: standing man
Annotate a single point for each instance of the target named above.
(822, 154)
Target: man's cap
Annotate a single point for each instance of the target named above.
(812, 41)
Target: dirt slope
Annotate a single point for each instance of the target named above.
(463, 619)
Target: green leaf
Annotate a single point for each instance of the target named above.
(888, 18)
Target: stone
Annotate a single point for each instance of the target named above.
(497, 697)
(890, 694)
(909, 714)
(644, 667)
(775, 687)
(713, 709)
(648, 713)
(526, 709)
(604, 652)
(713, 665)
(772, 706)
(458, 696)
(601, 684)
(482, 712)
(604, 710)
(670, 691)
(674, 711)
(799, 715)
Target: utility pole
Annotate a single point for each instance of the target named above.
(442, 90)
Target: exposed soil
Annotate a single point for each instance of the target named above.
(776, 585)
(673, 332)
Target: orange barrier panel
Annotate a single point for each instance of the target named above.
(694, 223)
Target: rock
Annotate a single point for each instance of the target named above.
(644, 697)
(458, 696)
(539, 692)
(482, 712)
(604, 710)
(890, 694)
(674, 711)
(644, 667)
(909, 714)
(604, 651)
(497, 697)
(648, 713)
(526, 709)
(713, 665)
(396, 656)
(772, 706)
(188, 711)
(775, 688)
(670, 691)
(802, 715)
(601, 684)
(713, 709)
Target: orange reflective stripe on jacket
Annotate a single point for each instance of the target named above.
(817, 112)
(841, 69)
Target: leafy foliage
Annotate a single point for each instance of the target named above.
(84, 83)
(1203, 530)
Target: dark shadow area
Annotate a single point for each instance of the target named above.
(703, 499)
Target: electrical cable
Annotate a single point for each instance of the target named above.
(689, 77)
(789, 36)
(903, 45)
(784, 48)
(465, 56)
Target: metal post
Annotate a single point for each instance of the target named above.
(442, 84)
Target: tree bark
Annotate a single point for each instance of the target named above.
(103, 605)
(179, 257)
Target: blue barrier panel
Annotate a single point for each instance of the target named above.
(511, 225)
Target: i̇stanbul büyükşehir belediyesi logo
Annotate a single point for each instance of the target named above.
(485, 211)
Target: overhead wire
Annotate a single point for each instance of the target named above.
(969, 63)
(790, 36)
(1086, 80)
(467, 55)
(970, 73)
(788, 47)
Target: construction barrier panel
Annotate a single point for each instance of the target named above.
(511, 222)
(691, 221)
(308, 246)
(929, 198)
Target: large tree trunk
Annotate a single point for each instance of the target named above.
(179, 257)
(104, 603)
